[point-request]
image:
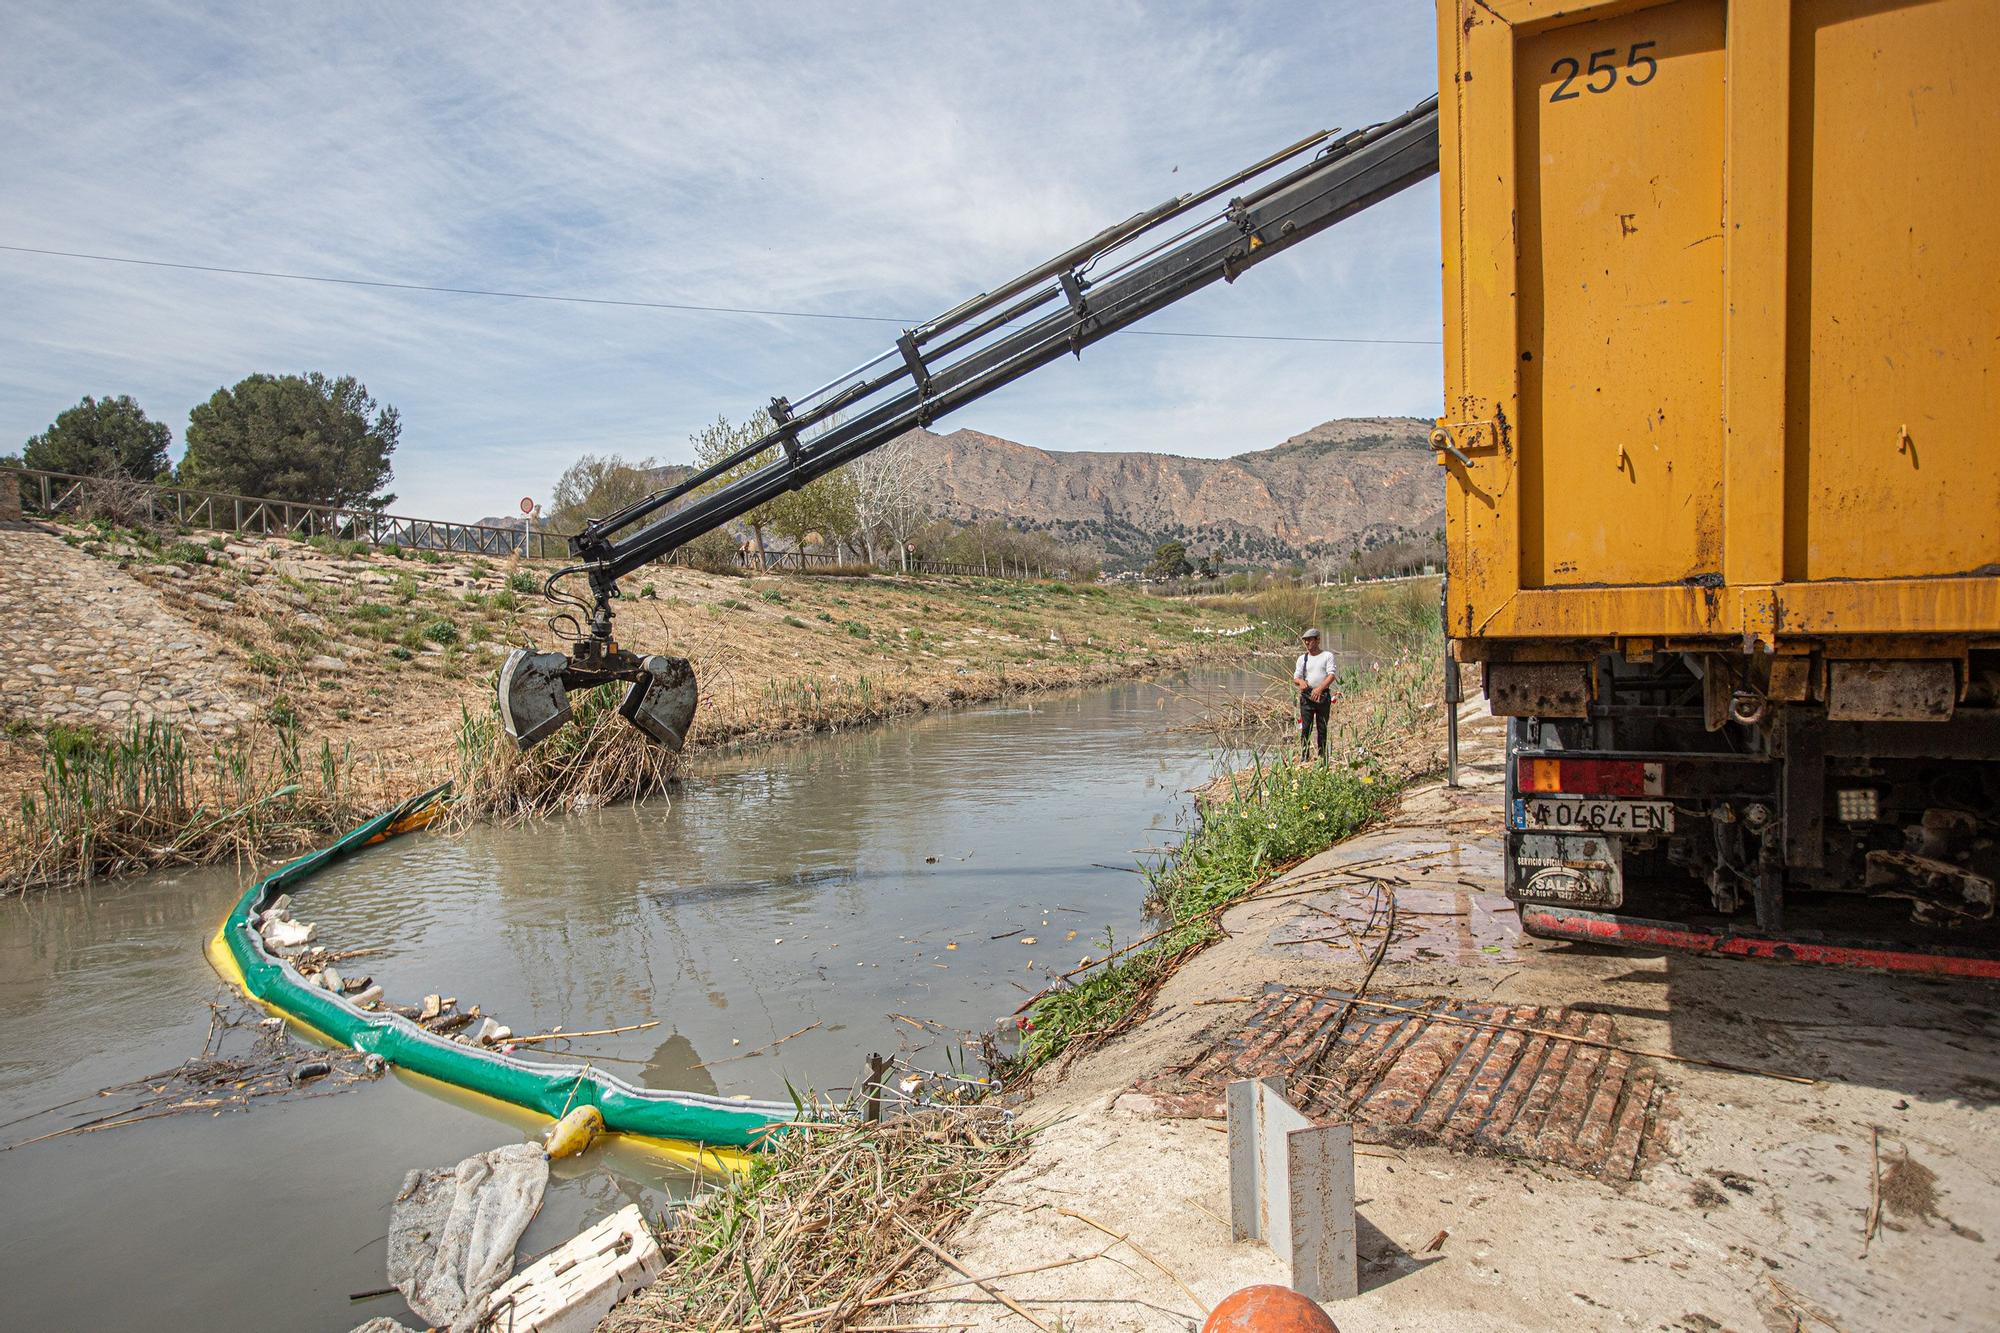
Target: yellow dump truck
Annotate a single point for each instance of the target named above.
(1722, 434)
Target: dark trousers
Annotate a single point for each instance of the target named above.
(1312, 721)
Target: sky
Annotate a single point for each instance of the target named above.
(880, 159)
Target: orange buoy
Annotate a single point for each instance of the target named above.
(1268, 1309)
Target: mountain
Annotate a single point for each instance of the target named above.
(1366, 479)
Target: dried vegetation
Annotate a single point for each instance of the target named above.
(832, 1223)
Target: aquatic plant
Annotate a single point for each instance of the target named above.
(144, 798)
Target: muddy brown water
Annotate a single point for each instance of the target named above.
(823, 883)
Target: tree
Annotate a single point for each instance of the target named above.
(822, 508)
(294, 437)
(895, 493)
(594, 486)
(716, 442)
(1169, 561)
(102, 437)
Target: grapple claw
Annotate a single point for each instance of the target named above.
(662, 700)
(533, 698)
(535, 686)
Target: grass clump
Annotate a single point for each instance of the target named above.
(1282, 814)
(441, 632)
(811, 705)
(526, 584)
(596, 760)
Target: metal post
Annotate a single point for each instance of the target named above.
(1451, 686)
(1451, 698)
(1291, 1185)
(872, 1101)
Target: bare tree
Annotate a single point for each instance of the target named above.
(895, 493)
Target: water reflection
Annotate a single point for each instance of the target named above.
(893, 871)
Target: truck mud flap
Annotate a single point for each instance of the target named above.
(1567, 923)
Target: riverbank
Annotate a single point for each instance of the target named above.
(767, 1225)
(1250, 825)
(181, 701)
(1552, 1135)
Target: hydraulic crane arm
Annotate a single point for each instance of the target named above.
(1091, 291)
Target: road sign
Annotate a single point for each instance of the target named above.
(527, 504)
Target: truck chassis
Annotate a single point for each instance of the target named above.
(1682, 807)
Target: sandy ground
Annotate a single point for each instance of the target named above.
(1749, 1213)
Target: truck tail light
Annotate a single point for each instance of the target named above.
(1592, 777)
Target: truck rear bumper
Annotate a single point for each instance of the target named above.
(1549, 921)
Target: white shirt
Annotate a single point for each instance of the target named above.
(1315, 669)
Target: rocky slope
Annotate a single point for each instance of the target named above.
(1366, 479)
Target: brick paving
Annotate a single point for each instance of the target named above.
(1409, 1078)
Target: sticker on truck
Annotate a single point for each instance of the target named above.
(1577, 869)
(1581, 815)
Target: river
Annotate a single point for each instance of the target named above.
(832, 884)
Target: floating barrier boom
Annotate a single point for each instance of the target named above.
(551, 1089)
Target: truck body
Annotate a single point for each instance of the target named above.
(1722, 387)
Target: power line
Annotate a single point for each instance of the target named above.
(449, 291)
(648, 305)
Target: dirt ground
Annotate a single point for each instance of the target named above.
(379, 652)
(1747, 1198)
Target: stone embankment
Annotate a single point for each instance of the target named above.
(82, 642)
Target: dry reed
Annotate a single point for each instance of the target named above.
(596, 760)
(145, 798)
(820, 1230)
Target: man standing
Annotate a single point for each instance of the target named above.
(1314, 677)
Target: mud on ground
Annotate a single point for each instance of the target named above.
(1742, 1204)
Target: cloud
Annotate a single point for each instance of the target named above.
(886, 159)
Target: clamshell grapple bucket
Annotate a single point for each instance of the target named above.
(535, 687)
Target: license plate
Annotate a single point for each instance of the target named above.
(1570, 815)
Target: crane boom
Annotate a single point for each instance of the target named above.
(1058, 308)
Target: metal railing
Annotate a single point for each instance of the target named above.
(64, 494)
(60, 494)
(1194, 587)
(771, 561)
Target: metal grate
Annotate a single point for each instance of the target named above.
(1410, 1078)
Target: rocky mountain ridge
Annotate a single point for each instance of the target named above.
(1358, 480)
(1353, 481)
